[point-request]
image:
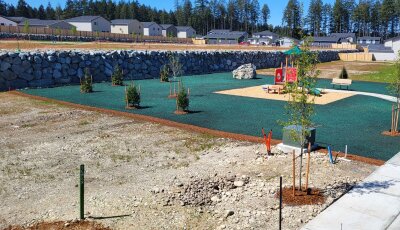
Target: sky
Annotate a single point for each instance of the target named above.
(276, 6)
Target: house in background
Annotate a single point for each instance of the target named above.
(345, 37)
(225, 37)
(169, 30)
(335, 38)
(325, 40)
(264, 38)
(52, 24)
(11, 21)
(126, 26)
(90, 23)
(381, 53)
(394, 44)
(151, 29)
(288, 42)
(185, 32)
(369, 40)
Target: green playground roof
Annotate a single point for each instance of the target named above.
(293, 51)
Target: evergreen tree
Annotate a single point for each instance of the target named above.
(314, 17)
(232, 14)
(326, 23)
(3, 8)
(292, 18)
(50, 12)
(388, 17)
(41, 12)
(132, 97)
(69, 10)
(11, 11)
(265, 14)
(22, 9)
(337, 19)
(375, 19)
(58, 13)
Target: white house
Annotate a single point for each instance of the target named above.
(381, 52)
(264, 38)
(394, 44)
(368, 40)
(288, 42)
(11, 21)
(185, 32)
(151, 29)
(126, 26)
(168, 30)
(90, 23)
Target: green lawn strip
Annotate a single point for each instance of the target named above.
(383, 74)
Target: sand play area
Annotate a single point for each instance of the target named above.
(260, 92)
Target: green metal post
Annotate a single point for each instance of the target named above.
(82, 191)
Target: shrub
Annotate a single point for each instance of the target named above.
(344, 74)
(132, 96)
(86, 83)
(164, 73)
(117, 77)
(182, 99)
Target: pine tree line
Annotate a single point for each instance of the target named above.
(365, 17)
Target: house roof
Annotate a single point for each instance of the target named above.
(123, 21)
(148, 24)
(218, 31)
(326, 39)
(369, 38)
(292, 39)
(379, 48)
(225, 34)
(38, 22)
(16, 19)
(166, 26)
(82, 19)
(266, 33)
(184, 28)
(393, 38)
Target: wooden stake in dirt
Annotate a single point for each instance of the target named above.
(294, 173)
(82, 191)
(392, 127)
(126, 99)
(308, 165)
(280, 202)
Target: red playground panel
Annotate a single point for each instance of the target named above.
(291, 75)
(279, 76)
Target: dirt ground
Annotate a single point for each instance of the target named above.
(45, 45)
(334, 68)
(142, 175)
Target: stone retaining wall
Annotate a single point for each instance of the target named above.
(46, 69)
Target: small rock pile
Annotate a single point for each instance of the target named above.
(200, 192)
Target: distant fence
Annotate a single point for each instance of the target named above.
(93, 35)
(199, 41)
(344, 46)
(356, 56)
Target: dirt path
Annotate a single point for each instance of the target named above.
(46, 45)
(141, 175)
(334, 68)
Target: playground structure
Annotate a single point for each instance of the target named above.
(287, 74)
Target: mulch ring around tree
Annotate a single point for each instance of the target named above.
(58, 225)
(388, 133)
(314, 196)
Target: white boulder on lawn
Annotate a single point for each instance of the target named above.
(246, 71)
